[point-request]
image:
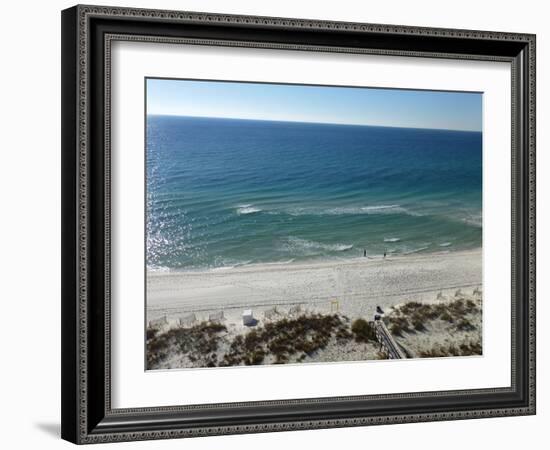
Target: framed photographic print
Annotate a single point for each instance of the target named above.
(281, 224)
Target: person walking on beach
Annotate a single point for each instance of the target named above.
(365, 253)
(384, 253)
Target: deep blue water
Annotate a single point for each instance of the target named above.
(224, 192)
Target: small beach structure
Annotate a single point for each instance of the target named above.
(248, 318)
(295, 310)
(158, 323)
(188, 320)
(216, 317)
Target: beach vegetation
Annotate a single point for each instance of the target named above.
(286, 339)
(196, 342)
(471, 306)
(150, 333)
(399, 325)
(440, 320)
(363, 331)
(470, 348)
(158, 349)
(417, 322)
(442, 351)
(295, 339)
(465, 325)
(343, 334)
(419, 314)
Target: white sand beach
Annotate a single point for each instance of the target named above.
(354, 287)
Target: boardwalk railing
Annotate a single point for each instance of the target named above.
(387, 342)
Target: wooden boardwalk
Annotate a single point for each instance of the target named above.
(387, 342)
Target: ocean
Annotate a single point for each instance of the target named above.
(223, 193)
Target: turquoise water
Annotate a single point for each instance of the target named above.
(228, 192)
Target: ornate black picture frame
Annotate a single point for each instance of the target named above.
(87, 34)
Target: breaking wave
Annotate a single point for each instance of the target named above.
(351, 210)
(301, 246)
(247, 209)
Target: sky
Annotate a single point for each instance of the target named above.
(322, 104)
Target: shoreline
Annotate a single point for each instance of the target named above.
(308, 263)
(357, 285)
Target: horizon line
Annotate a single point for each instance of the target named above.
(313, 122)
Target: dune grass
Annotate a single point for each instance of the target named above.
(198, 342)
(304, 337)
(442, 351)
(363, 331)
(414, 316)
(286, 339)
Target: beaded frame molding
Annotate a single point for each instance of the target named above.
(87, 35)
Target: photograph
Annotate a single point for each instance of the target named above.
(272, 223)
(295, 224)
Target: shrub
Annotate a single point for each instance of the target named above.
(398, 325)
(410, 307)
(458, 308)
(470, 348)
(255, 358)
(419, 313)
(474, 348)
(157, 351)
(437, 351)
(452, 350)
(363, 331)
(195, 342)
(464, 349)
(471, 305)
(418, 322)
(285, 338)
(151, 333)
(465, 325)
(423, 311)
(343, 334)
